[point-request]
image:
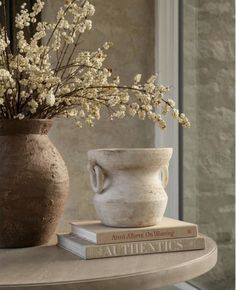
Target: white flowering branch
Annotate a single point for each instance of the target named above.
(77, 85)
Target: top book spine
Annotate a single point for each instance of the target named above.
(137, 235)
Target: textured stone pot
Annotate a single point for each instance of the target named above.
(34, 183)
(129, 185)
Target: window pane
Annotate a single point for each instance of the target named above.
(209, 145)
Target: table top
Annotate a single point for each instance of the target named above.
(50, 267)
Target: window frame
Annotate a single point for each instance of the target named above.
(168, 66)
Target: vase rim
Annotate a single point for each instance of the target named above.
(25, 120)
(25, 126)
(131, 153)
(136, 158)
(131, 149)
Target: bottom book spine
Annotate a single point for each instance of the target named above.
(136, 248)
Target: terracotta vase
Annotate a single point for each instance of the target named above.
(34, 183)
(130, 185)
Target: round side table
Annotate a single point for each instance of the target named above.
(52, 268)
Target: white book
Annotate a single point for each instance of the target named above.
(168, 228)
(88, 250)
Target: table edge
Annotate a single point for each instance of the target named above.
(212, 256)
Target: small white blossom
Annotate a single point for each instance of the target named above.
(137, 78)
(107, 45)
(50, 99)
(79, 124)
(72, 113)
(88, 24)
(19, 116)
(141, 114)
(171, 103)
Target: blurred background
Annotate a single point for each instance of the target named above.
(208, 148)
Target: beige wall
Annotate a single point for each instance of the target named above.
(209, 145)
(130, 26)
(209, 78)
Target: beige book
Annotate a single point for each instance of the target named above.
(168, 228)
(88, 250)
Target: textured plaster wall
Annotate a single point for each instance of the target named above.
(130, 26)
(209, 145)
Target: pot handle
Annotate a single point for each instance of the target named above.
(96, 178)
(165, 175)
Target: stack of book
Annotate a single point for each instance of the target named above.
(91, 239)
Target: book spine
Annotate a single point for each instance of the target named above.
(71, 246)
(69, 249)
(138, 235)
(141, 248)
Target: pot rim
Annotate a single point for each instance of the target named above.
(26, 120)
(25, 126)
(116, 150)
(121, 158)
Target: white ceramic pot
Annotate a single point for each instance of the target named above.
(129, 185)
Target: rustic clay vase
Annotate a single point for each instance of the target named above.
(129, 185)
(34, 183)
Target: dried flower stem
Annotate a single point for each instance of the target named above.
(78, 85)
